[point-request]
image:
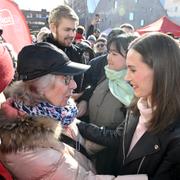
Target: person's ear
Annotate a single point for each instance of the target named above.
(52, 27)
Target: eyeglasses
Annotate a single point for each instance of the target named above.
(67, 79)
(100, 45)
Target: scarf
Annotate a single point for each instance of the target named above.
(145, 110)
(64, 114)
(145, 116)
(119, 88)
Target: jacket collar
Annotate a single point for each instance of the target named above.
(148, 143)
(51, 39)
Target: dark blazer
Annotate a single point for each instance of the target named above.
(155, 154)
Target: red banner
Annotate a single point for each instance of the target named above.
(13, 23)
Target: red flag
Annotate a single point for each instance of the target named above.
(13, 23)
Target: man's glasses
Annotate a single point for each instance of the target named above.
(67, 79)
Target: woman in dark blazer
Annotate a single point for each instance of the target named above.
(148, 141)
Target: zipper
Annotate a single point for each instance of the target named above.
(140, 165)
(65, 50)
(124, 153)
(125, 126)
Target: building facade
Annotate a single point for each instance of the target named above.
(36, 19)
(136, 12)
(80, 7)
(173, 10)
(113, 13)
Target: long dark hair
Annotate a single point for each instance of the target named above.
(121, 42)
(161, 53)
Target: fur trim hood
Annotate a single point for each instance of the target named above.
(28, 133)
(24, 92)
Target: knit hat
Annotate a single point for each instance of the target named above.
(101, 39)
(91, 38)
(6, 68)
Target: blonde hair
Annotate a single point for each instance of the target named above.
(60, 12)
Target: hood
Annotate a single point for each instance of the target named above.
(28, 133)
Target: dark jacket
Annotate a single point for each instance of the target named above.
(73, 52)
(155, 154)
(93, 76)
(90, 30)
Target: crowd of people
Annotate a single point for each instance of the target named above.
(79, 104)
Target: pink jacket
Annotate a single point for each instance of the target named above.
(30, 149)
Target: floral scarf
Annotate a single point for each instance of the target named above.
(64, 114)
